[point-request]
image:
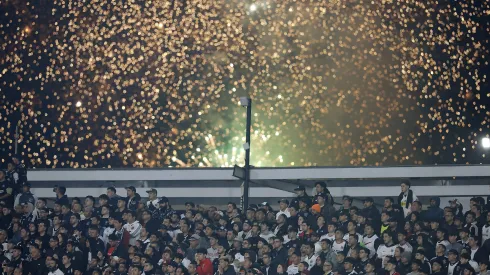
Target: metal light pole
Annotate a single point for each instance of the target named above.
(16, 138)
(247, 102)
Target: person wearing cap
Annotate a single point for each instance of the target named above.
(191, 251)
(326, 210)
(300, 194)
(370, 211)
(283, 208)
(205, 266)
(406, 197)
(164, 209)
(27, 216)
(434, 210)
(132, 199)
(265, 206)
(246, 230)
(152, 203)
(25, 196)
(19, 173)
(437, 267)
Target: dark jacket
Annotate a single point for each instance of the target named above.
(372, 214)
(35, 267)
(279, 257)
(229, 271)
(434, 212)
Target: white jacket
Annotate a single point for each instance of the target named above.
(134, 230)
(56, 272)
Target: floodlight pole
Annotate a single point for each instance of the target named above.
(16, 138)
(246, 184)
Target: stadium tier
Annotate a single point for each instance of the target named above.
(303, 221)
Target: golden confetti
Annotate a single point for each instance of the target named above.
(156, 83)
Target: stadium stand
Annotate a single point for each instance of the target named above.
(138, 226)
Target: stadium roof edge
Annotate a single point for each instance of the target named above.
(293, 173)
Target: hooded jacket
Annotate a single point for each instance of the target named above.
(434, 212)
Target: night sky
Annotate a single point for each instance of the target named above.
(100, 83)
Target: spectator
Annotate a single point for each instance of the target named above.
(205, 267)
(132, 198)
(321, 189)
(6, 191)
(155, 237)
(19, 173)
(133, 227)
(113, 197)
(37, 264)
(152, 203)
(53, 267)
(301, 194)
(283, 208)
(26, 196)
(370, 212)
(434, 212)
(309, 254)
(349, 266)
(406, 197)
(391, 267)
(346, 203)
(293, 268)
(387, 249)
(61, 197)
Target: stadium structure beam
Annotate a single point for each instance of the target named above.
(257, 174)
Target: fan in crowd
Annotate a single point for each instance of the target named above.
(122, 234)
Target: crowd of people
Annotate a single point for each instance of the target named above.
(309, 235)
